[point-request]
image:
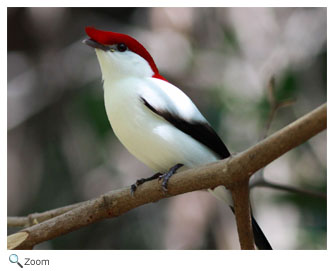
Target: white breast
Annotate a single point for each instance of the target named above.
(150, 138)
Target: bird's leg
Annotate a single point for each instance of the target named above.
(143, 180)
(166, 176)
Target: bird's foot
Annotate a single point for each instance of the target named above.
(166, 176)
(143, 180)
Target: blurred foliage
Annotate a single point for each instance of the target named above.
(312, 216)
(91, 107)
(61, 148)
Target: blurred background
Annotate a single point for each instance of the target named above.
(61, 148)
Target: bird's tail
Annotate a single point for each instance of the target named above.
(260, 239)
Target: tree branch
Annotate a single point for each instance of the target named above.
(240, 195)
(231, 172)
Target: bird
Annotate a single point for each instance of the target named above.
(155, 120)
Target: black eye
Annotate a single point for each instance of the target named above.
(121, 47)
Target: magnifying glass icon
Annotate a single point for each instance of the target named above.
(13, 258)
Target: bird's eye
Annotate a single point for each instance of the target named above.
(121, 47)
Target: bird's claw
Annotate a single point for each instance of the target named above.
(164, 177)
(133, 189)
(164, 187)
(141, 181)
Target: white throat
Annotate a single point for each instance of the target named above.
(120, 65)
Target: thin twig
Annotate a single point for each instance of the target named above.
(265, 183)
(35, 218)
(275, 105)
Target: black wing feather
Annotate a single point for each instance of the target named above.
(198, 130)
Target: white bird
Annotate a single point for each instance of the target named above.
(152, 118)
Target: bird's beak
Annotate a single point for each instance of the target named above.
(95, 44)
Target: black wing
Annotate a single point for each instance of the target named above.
(200, 131)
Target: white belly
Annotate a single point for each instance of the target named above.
(151, 139)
